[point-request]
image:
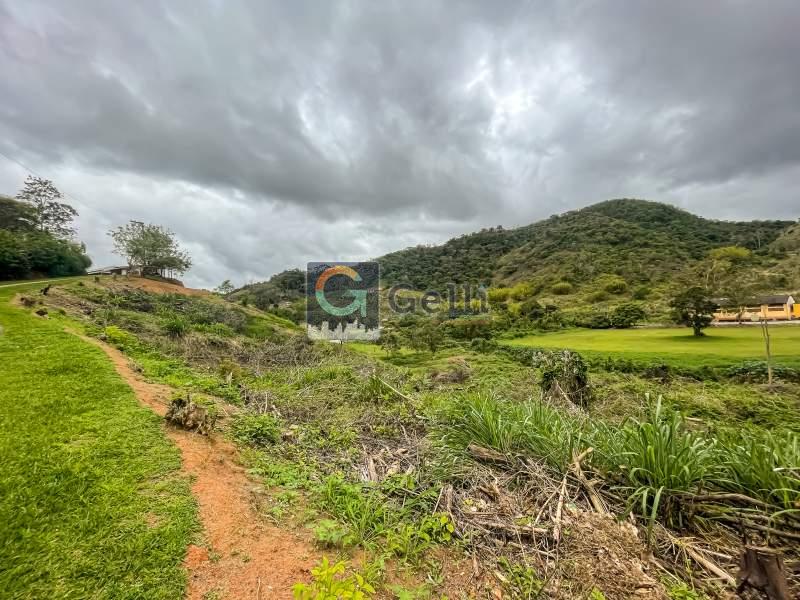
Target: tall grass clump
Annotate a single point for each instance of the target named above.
(552, 435)
(481, 418)
(532, 428)
(654, 458)
(765, 466)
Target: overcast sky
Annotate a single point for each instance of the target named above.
(266, 134)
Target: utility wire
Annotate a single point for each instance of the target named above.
(72, 197)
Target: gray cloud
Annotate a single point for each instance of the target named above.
(269, 133)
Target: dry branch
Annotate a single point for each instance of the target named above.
(594, 497)
(559, 509)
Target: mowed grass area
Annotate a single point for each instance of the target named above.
(92, 503)
(719, 347)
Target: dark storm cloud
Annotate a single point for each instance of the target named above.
(328, 127)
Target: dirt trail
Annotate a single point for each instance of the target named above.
(248, 558)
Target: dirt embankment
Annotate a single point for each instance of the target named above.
(243, 556)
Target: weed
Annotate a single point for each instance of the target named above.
(255, 430)
(411, 540)
(365, 512)
(119, 338)
(175, 327)
(330, 583)
(332, 534)
(683, 592)
(521, 581)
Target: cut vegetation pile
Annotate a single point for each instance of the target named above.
(518, 481)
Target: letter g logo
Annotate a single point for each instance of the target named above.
(359, 296)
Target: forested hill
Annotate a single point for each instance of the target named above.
(636, 240)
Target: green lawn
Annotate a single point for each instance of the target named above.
(720, 345)
(92, 504)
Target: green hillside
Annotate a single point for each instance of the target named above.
(642, 243)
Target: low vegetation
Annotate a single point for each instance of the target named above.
(411, 456)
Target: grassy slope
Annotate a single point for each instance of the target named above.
(91, 501)
(720, 346)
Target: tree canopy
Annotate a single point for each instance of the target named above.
(693, 308)
(151, 248)
(28, 250)
(47, 212)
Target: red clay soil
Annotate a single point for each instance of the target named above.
(246, 557)
(157, 287)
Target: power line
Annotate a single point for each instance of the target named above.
(73, 197)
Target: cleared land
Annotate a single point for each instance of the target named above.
(91, 500)
(677, 346)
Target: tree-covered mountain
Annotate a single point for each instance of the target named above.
(635, 242)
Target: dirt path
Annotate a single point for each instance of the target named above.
(247, 558)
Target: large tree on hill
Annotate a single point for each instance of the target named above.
(693, 308)
(151, 248)
(48, 213)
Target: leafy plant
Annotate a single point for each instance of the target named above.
(330, 533)
(330, 583)
(411, 540)
(522, 582)
(256, 430)
(660, 456)
(175, 327)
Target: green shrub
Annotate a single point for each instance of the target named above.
(614, 285)
(627, 315)
(521, 581)
(760, 465)
(592, 319)
(410, 541)
(363, 510)
(255, 430)
(175, 327)
(641, 292)
(562, 288)
(598, 296)
(482, 345)
(564, 372)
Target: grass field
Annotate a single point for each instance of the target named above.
(720, 346)
(92, 504)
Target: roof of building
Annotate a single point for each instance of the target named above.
(772, 299)
(106, 269)
(776, 299)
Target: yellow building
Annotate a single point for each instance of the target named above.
(779, 307)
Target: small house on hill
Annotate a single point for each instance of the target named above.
(111, 271)
(778, 307)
